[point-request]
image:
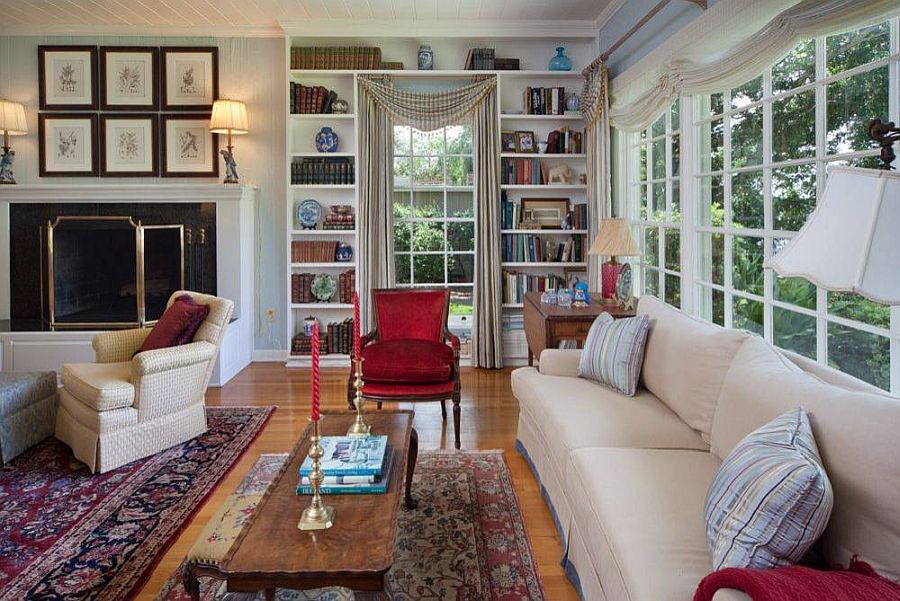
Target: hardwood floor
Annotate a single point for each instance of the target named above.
(489, 418)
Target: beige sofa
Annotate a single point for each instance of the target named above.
(626, 478)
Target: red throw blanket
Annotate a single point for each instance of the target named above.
(859, 582)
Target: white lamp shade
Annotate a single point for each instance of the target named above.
(12, 118)
(850, 243)
(229, 116)
(615, 240)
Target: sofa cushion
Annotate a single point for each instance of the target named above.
(174, 322)
(573, 413)
(642, 510)
(614, 351)
(856, 432)
(413, 361)
(685, 361)
(197, 315)
(102, 386)
(771, 498)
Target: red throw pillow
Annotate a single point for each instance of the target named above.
(173, 325)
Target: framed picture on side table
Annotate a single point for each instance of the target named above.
(574, 275)
(190, 78)
(128, 145)
(67, 78)
(128, 78)
(189, 149)
(67, 144)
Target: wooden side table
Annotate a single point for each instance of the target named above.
(547, 325)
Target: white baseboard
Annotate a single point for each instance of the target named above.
(269, 355)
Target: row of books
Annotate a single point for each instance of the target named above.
(301, 287)
(522, 172)
(336, 57)
(339, 221)
(529, 248)
(338, 170)
(516, 284)
(346, 286)
(337, 339)
(483, 59)
(351, 466)
(302, 345)
(545, 101)
(311, 99)
(314, 251)
(565, 141)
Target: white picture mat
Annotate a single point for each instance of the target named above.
(200, 93)
(118, 154)
(122, 93)
(189, 145)
(61, 154)
(80, 61)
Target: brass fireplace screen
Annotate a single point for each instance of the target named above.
(109, 272)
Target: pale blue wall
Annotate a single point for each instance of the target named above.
(670, 19)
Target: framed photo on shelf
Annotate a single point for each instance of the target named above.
(190, 78)
(67, 144)
(546, 213)
(574, 275)
(67, 78)
(188, 148)
(525, 141)
(128, 145)
(507, 141)
(128, 78)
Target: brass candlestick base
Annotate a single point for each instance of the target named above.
(359, 428)
(317, 516)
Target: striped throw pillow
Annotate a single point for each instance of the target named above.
(614, 351)
(771, 498)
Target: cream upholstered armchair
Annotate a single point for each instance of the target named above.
(127, 406)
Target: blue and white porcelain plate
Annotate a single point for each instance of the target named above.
(309, 213)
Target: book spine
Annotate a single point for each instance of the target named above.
(343, 490)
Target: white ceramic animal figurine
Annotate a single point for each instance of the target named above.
(561, 174)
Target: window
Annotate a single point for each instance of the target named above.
(751, 169)
(434, 216)
(657, 218)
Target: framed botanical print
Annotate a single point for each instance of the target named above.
(189, 149)
(67, 78)
(128, 78)
(67, 144)
(190, 78)
(128, 145)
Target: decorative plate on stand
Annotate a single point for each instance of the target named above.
(623, 286)
(324, 287)
(309, 213)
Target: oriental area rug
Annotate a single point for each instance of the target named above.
(465, 542)
(68, 534)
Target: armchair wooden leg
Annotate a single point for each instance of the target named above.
(456, 417)
(443, 410)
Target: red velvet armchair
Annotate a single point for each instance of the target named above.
(410, 356)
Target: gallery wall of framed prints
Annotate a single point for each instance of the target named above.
(127, 111)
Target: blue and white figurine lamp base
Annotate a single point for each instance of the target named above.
(12, 123)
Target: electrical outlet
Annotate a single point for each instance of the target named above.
(270, 315)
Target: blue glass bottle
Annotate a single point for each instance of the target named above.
(560, 62)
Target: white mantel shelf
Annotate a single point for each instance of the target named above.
(123, 192)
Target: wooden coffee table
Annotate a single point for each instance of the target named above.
(356, 552)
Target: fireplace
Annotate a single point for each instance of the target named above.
(110, 271)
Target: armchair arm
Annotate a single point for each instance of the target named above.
(119, 345)
(367, 338)
(453, 339)
(175, 357)
(560, 362)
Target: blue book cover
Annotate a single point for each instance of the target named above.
(346, 456)
(378, 487)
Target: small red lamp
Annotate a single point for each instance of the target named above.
(613, 240)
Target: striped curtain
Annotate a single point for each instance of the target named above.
(595, 110)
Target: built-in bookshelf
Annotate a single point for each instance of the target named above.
(450, 52)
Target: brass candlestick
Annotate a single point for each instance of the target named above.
(359, 429)
(317, 516)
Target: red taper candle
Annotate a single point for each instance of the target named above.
(315, 374)
(356, 325)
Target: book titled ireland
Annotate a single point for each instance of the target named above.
(345, 456)
(377, 487)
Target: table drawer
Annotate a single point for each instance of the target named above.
(570, 329)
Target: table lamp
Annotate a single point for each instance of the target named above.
(850, 242)
(12, 122)
(229, 117)
(613, 240)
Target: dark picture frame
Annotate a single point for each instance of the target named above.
(525, 142)
(151, 79)
(105, 150)
(169, 96)
(539, 208)
(507, 141)
(49, 100)
(169, 170)
(45, 121)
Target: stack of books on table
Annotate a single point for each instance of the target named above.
(352, 466)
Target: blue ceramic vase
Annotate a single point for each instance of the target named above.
(560, 62)
(326, 140)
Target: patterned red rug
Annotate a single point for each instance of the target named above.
(68, 534)
(465, 542)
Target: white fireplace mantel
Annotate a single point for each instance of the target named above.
(235, 226)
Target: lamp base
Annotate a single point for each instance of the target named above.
(609, 278)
